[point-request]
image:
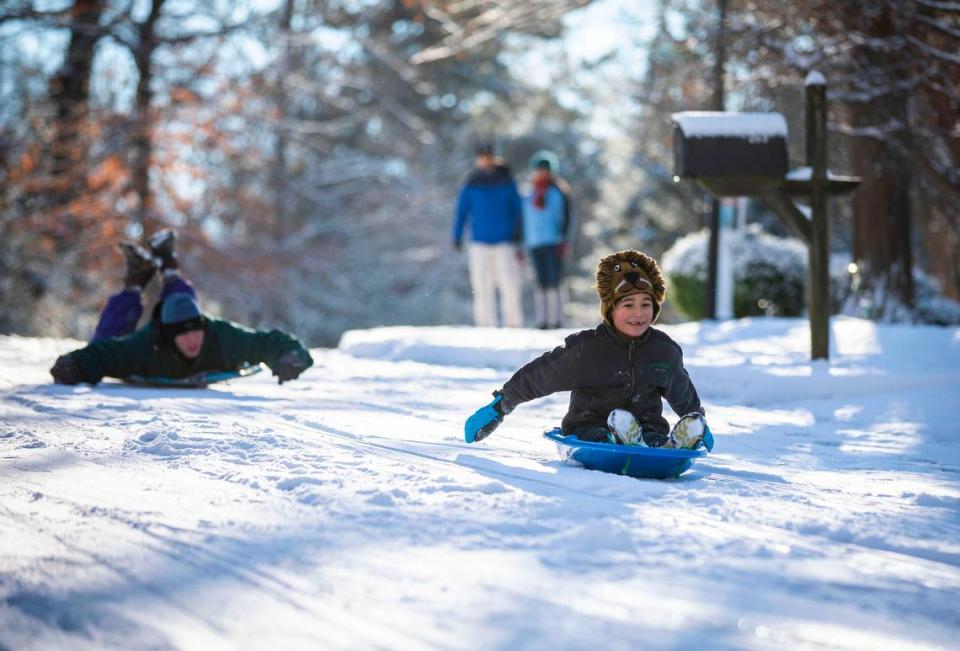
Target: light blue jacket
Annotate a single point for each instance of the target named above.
(548, 225)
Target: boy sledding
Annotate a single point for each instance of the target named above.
(179, 341)
(617, 373)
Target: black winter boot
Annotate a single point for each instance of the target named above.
(162, 243)
(141, 265)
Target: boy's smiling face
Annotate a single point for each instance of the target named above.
(633, 315)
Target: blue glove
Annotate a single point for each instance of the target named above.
(707, 438)
(483, 421)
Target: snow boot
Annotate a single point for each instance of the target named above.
(624, 428)
(689, 432)
(141, 265)
(162, 243)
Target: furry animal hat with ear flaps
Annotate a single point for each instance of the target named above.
(625, 273)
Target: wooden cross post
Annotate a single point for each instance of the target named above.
(816, 187)
(745, 154)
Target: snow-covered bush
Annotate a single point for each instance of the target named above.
(769, 278)
(875, 301)
(769, 273)
(937, 310)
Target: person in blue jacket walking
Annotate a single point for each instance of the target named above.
(546, 228)
(490, 202)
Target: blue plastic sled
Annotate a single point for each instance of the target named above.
(631, 460)
(195, 381)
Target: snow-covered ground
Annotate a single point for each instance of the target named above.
(345, 511)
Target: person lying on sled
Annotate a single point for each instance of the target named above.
(179, 340)
(617, 373)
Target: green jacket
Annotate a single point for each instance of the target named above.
(227, 346)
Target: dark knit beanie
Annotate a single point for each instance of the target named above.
(483, 148)
(625, 273)
(180, 313)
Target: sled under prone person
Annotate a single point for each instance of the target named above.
(617, 373)
(179, 341)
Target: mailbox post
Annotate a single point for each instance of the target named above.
(745, 154)
(818, 249)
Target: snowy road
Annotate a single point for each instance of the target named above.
(344, 510)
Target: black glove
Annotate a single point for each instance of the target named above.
(66, 370)
(291, 364)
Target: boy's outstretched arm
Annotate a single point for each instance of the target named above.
(284, 354)
(112, 357)
(551, 372)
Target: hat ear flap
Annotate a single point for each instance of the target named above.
(605, 291)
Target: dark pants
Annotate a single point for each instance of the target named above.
(124, 309)
(596, 433)
(547, 265)
(599, 434)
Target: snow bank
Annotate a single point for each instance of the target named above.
(451, 346)
(751, 361)
(344, 511)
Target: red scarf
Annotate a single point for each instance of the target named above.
(540, 187)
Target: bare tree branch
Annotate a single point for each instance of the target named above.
(934, 52)
(938, 25)
(494, 20)
(939, 6)
(29, 13)
(875, 92)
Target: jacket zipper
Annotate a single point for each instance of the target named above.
(633, 375)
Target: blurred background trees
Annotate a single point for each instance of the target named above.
(309, 153)
(894, 85)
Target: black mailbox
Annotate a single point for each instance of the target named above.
(722, 145)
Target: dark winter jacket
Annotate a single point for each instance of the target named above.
(227, 346)
(489, 200)
(604, 371)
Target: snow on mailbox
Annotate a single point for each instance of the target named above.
(709, 144)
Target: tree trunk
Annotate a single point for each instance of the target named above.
(279, 170)
(142, 139)
(70, 93)
(883, 216)
(937, 151)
